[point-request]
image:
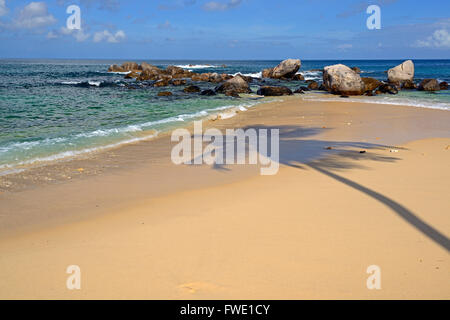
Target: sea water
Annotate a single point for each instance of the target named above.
(55, 109)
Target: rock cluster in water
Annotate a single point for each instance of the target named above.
(337, 79)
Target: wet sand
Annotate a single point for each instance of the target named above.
(140, 227)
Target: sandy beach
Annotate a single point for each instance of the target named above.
(359, 184)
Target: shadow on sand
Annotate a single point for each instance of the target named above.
(297, 150)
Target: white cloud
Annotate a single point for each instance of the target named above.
(105, 35)
(3, 9)
(345, 46)
(221, 6)
(166, 25)
(79, 35)
(439, 39)
(52, 35)
(34, 15)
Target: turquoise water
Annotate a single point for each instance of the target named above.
(52, 109)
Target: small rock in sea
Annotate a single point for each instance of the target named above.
(408, 85)
(237, 83)
(161, 83)
(388, 88)
(299, 90)
(342, 96)
(313, 85)
(164, 94)
(132, 75)
(370, 84)
(429, 85)
(443, 85)
(362, 151)
(191, 89)
(232, 93)
(208, 92)
(298, 77)
(274, 91)
(356, 69)
(177, 82)
(328, 148)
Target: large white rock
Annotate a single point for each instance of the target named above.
(340, 79)
(286, 69)
(401, 73)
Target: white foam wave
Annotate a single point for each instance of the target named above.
(71, 82)
(95, 83)
(253, 75)
(117, 72)
(232, 110)
(311, 75)
(387, 100)
(73, 153)
(196, 66)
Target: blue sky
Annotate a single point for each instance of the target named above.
(225, 29)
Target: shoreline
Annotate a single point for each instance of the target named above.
(132, 217)
(142, 154)
(150, 134)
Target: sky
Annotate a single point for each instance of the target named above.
(225, 29)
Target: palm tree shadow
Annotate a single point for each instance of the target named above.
(297, 150)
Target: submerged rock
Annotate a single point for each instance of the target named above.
(208, 92)
(370, 83)
(387, 88)
(132, 75)
(313, 85)
(443, 85)
(408, 85)
(274, 91)
(161, 83)
(232, 93)
(340, 79)
(177, 82)
(164, 94)
(429, 85)
(192, 89)
(298, 77)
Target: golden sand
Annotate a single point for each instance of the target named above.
(141, 227)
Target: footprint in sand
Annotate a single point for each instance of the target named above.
(194, 287)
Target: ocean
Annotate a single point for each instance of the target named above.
(56, 109)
